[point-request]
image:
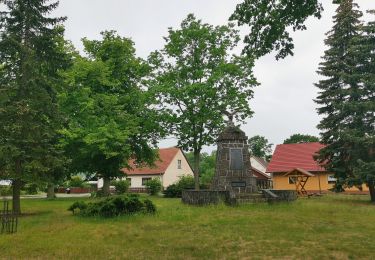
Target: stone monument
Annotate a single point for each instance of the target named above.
(233, 182)
(233, 169)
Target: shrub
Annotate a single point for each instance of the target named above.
(121, 186)
(175, 190)
(31, 188)
(77, 205)
(116, 206)
(172, 191)
(6, 191)
(77, 182)
(153, 186)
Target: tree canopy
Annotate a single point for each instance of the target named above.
(197, 80)
(260, 147)
(301, 138)
(32, 54)
(110, 119)
(269, 22)
(346, 98)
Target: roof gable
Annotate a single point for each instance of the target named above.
(166, 156)
(290, 156)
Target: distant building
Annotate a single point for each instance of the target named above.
(171, 165)
(5, 182)
(299, 158)
(258, 169)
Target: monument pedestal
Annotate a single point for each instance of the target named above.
(233, 168)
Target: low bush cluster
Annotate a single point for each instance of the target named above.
(116, 206)
(153, 186)
(175, 190)
(121, 186)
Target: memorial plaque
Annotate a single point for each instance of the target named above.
(236, 159)
(238, 184)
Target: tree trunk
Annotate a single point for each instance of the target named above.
(197, 157)
(372, 191)
(106, 184)
(17, 184)
(51, 191)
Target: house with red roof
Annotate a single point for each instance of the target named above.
(171, 165)
(300, 158)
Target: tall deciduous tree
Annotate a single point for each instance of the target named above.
(30, 58)
(269, 21)
(301, 138)
(260, 147)
(110, 119)
(197, 80)
(342, 97)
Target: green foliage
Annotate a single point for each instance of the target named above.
(32, 55)
(198, 80)
(270, 22)
(109, 84)
(260, 147)
(206, 167)
(121, 186)
(112, 207)
(346, 97)
(5, 191)
(76, 181)
(175, 190)
(154, 186)
(78, 205)
(31, 188)
(301, 138)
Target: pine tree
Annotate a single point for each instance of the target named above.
(364, 49)
(338, 96)
(346, 98)
(30, 58)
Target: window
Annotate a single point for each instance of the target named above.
(331, 179)
(292, 180)
(129, 180)
(236, 159)
(145, 180)
(179, 162)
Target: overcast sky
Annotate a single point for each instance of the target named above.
(283, 103)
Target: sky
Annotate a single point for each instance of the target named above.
(283, 103)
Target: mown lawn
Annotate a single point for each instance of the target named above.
(330, 227)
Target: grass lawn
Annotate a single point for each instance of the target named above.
(330, 227)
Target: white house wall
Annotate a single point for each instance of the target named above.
(172, 173)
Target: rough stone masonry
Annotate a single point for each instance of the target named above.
(233, 169)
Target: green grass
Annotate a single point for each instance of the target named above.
(330, 227)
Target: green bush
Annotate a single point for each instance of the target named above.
(172, 191)
(31, 188)
(153, 186)
(175, 190)
(6, 190)
(77, 182)
(77, 205)
(121, 186)
(116, 206)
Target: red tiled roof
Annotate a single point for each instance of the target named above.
(290, 156)
(166, 156)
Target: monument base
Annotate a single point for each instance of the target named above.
(214, 197)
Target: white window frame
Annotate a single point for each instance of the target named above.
(331, 179)
(179, 164)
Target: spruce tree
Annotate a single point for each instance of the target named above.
(364, 49)
(31, 56)
(341, 97)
